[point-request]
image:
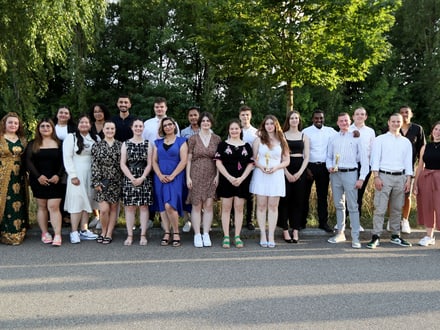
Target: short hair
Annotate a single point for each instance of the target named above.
(360, 108)
(316, 112)
(160, 99)
(194, 107)
(207, 115)
(343, 114)
(244, 108)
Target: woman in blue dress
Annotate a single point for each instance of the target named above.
(169, 161)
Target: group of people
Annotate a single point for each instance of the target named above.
(154, 167)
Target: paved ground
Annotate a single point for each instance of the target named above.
(310, 285)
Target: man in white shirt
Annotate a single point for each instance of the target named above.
(344, 151)
(151, 126)
(319, 136)
(367, 135)
(392, 168)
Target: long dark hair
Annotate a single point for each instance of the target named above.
(39, 139)
(286, 124)
(70, 122)
(264, 135)
(79, 137)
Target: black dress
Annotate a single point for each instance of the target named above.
(48, 162)
(235, 159)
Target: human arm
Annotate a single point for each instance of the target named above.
(68, 154)
(419, 170)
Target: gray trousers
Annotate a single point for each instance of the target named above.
(391, 196)
(343, 187)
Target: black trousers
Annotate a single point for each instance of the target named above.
(321, 178)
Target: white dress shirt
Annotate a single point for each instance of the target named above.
(319, 139)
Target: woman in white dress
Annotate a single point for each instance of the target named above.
(271, 155)
(77, 159)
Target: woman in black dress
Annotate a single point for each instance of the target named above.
(234, 162)
(44, 161)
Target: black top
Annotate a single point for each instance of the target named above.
(123, 127)
(416, 136)
(431, 156)
(296, 146)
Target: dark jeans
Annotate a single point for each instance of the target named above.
(321, 178)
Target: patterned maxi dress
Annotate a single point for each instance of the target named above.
(13, 203)
(137, 155)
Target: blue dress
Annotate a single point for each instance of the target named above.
(174, 193)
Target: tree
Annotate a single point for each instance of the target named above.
(36, 36)
(292, 43)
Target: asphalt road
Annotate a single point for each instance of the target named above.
(310, 285)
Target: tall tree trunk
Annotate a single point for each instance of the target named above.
(289, 91)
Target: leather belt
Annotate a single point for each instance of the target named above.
(347, 169)
(392, 173)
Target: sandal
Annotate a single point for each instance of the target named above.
(129, 240)
(143, 240)
(46, 238)
(238, 242)
(107, 240)
(226, 242)
(176, 242)
(99, 239)
(57, 240)
(165, 241)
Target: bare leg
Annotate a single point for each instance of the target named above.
(42, 215)
(196, 215)
(144, 213)
(272, 216)
(112, 219)
(75, 219)
(208, 215)
(104, 208)
(238, 214)
(53, 206)
(84, 220)
(226, 214)
(130, 212)
(261, 216)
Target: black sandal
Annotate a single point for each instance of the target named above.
(176, 242)
(100, 239)
(107, 240)
(165, 241)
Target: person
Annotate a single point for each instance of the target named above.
(77, 148)
(343, 152)
(271, 154)
(202, 178)
(249, 136)
(415, 134)
(124, 119)
(426, 186)
(192, 129)
(193, 119)
(106, 180)
(319, 136)
(366, 136)
(392, 168)
(137, 187)
(64, 123)
(170, 155)
(234, 162)
(44, 162)
(291, 207)
(151, 133)
(13, 201)
(99, 114)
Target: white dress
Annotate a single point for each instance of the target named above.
(268, 184)
(78, 198)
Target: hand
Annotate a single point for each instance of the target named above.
(55, 179)
(75, 181)
(378, 184)
(358, 184)
(43, 180)
(189, 183)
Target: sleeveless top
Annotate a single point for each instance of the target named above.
(296, 146)
(431, 156)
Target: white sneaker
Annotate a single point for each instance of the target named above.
(426, 241)
(206, 240)
(338, 238)
(198, 243)
(356, 244)
(361, 229)
(405, 226)
(187, 227)
(74, 237)
(150, 224)
(94, 222)
(87, 235)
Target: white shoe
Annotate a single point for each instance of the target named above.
(74, 237)
(94, 222)
(426, 241)
(87, 235)
(198, 243)
(405, 226)
(361, 228)
(206, 240)
(187, 227)
(356, 244)
(338, 238)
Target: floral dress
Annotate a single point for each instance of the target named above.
(106, 171)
